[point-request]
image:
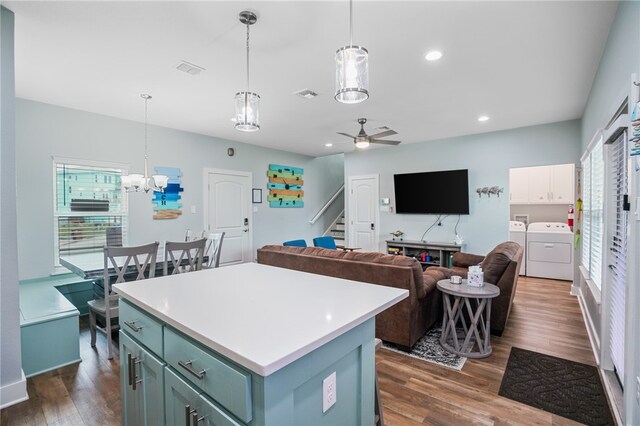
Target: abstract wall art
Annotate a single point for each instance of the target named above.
(167, 204)
(285, 186)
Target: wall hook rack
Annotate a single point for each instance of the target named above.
(489, 190)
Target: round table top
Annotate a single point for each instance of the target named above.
(488, 291)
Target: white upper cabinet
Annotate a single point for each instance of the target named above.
(539, 184)
(519, 185)
(563, 184)
(542, 185)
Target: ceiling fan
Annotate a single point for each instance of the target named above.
(362, 140)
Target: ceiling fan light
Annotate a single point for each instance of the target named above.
(362, 144)
(352, 74)
(247, 112)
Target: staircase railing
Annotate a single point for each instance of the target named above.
(326, 205)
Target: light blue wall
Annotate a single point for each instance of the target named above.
(46, 130)
(10, 363)
(619, 60)
(611, 86)
(488, 157)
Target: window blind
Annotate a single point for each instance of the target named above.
(89, 209)
(586, 212)
(617, 252)
(597, 210)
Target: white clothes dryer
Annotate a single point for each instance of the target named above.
(518, 234)
(550, 250)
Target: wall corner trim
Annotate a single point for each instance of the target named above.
(14, 393)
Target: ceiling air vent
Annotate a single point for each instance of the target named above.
(189, 68)
(306, 93)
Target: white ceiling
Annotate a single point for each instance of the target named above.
(521, 63)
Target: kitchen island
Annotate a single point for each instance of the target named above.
(249, 344)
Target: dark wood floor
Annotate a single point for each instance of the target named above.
(544, 318)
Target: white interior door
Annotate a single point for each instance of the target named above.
(363, 215)
(228, 209)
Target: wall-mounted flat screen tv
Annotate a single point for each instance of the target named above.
(442, 192)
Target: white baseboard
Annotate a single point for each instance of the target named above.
(591, 329)
(14, 393)
(575, 289)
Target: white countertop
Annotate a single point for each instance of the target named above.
(260, 316)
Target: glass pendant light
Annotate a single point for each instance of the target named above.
(352, 70)
(247, 103)
(136, 182)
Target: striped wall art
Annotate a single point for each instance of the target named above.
(285, 186)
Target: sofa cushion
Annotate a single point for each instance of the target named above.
(496, 262)
(388, 259)
(368, 257)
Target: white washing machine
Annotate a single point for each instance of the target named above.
(518, 234)
(550, 250)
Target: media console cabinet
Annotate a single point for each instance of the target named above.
(436, 254)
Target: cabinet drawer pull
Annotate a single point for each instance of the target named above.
(187, 366)
(187, 414)
(132, 325)
(131, 364)
(130, 368)
(195, 419)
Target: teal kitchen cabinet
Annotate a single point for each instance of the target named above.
(187, 406)
(142, 382)
(262, 360)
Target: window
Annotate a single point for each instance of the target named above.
(592, 211)
(90, 207)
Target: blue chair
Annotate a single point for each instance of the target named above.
(295, 243)
(325, 242)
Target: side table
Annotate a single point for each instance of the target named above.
(477, 301)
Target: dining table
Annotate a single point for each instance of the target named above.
(91, 265)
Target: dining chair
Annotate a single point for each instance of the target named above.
(295, 243)
(123, 264)
(325, 242)
(114, 236)
(183, 256)
(214, 249)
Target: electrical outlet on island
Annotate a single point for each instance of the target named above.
(329, 392)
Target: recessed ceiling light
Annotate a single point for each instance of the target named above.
(434, 55)
(483, 118)
(328, 145)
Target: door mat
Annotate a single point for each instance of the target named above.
(428, 349)
(566, 388)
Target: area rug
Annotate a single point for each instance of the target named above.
(428, 349)
(566, 388)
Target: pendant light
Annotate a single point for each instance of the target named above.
(247, 103)
(352, 70)
(136, 182)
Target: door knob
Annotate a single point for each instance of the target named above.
(373, 226)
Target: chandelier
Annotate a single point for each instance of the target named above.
(136, 182)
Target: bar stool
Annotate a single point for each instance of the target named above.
(378, 404)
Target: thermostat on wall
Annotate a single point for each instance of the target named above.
(384, 201)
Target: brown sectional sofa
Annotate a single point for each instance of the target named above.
(500, 266)
(403, 323)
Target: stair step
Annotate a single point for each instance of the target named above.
(337, 233)
(339, 227)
